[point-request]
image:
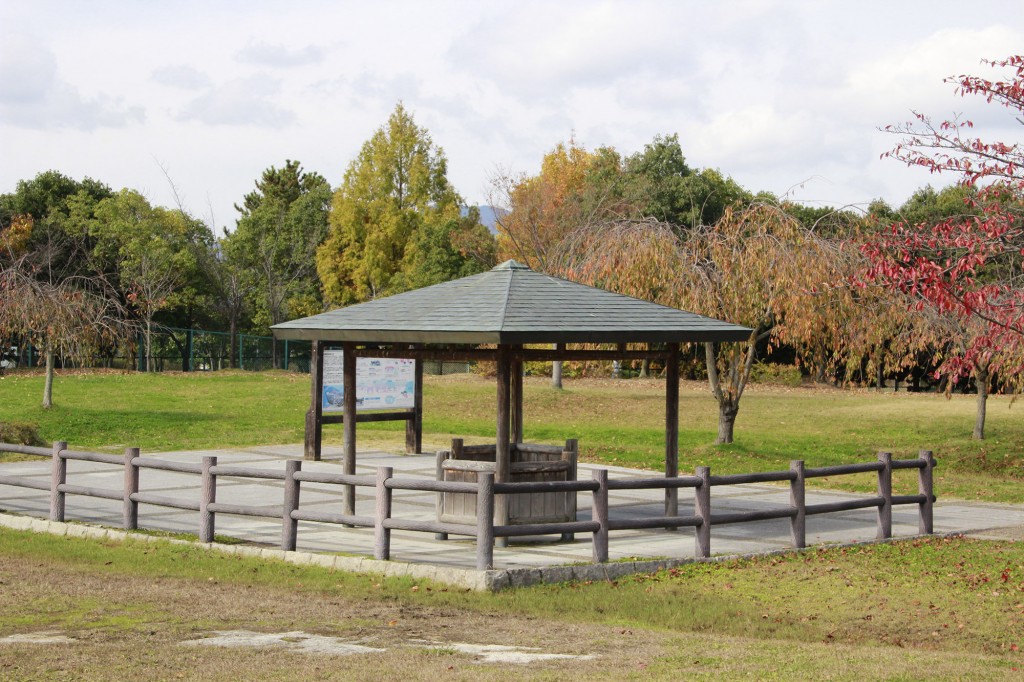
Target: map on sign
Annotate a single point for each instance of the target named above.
(381, 383)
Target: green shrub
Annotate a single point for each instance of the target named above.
(20, 433)
(770, 373)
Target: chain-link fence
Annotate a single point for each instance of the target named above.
(198, 350)
(180, 350)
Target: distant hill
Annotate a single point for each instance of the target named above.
(488, 216)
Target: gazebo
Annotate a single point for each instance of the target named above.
(494, 316)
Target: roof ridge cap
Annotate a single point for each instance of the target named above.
(503, 313)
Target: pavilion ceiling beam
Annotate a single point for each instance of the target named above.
(518, 355)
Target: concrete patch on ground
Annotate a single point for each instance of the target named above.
(300, 642)
(303, 642)
(46, 637)
(498, 653)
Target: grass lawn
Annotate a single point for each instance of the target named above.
(928, 609)
(617, 421)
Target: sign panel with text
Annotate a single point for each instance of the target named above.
(381, 383)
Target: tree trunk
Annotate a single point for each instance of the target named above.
(727, 411)
(645, 368)
(556, 371)
(149, 346)
(48, 383)
(233, 344)
(981, 378)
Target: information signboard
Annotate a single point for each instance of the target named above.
(381, 383)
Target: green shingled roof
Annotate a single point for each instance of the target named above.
(510, 304)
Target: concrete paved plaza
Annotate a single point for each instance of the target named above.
(950, 516)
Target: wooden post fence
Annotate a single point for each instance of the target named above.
(58, 476)
(485, 521)
(130, 509)
(797, 499)
(381, 534)
(600, 514)
(439, 461)
(702, 510)
(290, 525)
(488, 531)
(885, 492)
(208, 497)
(924, 487)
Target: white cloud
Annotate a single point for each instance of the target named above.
(245, 101)
(181, 76)
(32, 94)
(280, 56)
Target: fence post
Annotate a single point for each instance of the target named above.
(58, 477)
(289, 526)
(925, 487)
(382, 535)
(600, 514)
(885, 492)
(798, 524)
(702, 509)
(130, 510)
(572, 446)
(209, 496)
(441, 456)
(485, 521)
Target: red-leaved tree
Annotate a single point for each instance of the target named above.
(967, 267)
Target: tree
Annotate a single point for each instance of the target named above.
(49, 295)
(396, 186)
(968, 265)
(282, 224)
(230, 286)
(756, 266)
(662, 186)
(71, 317)
(442, 251)
(574, 187)
(150, 251)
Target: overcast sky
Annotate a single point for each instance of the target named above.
(783, 96)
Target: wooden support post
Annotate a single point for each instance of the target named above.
(130, 508)
(925, 487)
(797, 499)
(502, 455)
(516, 401)
(58, 477)
(885, 492)
(702, 509)
(348, 465)
(382, 535)
(442, 455)
(414, 427)
(290, 526)
(485, 521)
(600, 514)
(672, 428)
(209, 496)
(314, 416)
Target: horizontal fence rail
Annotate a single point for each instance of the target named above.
(484, 531)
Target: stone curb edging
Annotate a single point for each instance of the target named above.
(471, 579)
